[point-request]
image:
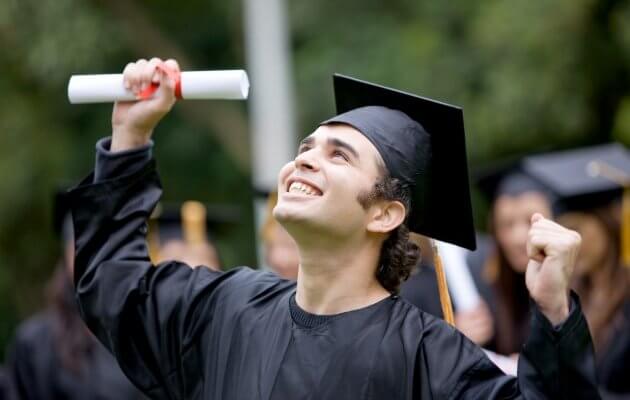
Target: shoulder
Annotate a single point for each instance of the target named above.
(245, 280)
(414, 317)
(35, 328)
(238, 286)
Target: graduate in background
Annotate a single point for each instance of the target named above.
(590, 185)
(183, 234)
(280, 250)
(53, 355)
(499, 266)
(356, 188)
(421, 288)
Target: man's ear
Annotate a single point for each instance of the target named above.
(386, 216)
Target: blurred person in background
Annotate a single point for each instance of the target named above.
(280, 250)
(592, 186)
(53, 355)
(182, 233)
(421, 288)
(501, 322)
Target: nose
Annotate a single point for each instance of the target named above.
(306, 161)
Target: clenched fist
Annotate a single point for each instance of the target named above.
(552, 250)
(133, 121)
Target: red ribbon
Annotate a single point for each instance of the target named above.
(172, 74)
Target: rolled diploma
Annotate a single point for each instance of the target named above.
(460, 281)
(108, 88)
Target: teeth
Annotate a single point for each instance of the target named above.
(303, 188)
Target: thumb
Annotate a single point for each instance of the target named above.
(536, 217)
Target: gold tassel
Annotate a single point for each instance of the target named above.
(445, 297)
(194, 222)
(599, 168)
(153, 235)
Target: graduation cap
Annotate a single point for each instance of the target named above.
(192, 222)
(588, 178)
(422, 143)
(507, 177)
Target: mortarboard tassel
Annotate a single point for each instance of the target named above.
(194, 222)
(153, 239)
(445, 298)
(599, 168)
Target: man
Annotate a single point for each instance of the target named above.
(340, 332)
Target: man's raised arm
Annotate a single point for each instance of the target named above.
(147, 316)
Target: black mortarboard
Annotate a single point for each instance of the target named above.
(507, 177)
(588, 178)
(190, 221)
(583, 178)
(422, 143)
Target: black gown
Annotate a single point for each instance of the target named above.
(193, 333)
(37, 373)
(613, 362)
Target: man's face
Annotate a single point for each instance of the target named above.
(318, 191)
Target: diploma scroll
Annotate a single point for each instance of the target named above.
(458, 276)
(108, 88)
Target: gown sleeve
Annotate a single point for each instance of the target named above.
(555, 363)
(149, 317)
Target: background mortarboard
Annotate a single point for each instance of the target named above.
(441, 206)
(570, 174)
(588, 178)
(190, 221)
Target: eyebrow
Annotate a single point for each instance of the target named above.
(333, 142)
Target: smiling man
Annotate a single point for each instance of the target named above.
(358, 185)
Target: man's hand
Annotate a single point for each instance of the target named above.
(553, 252)
(133, 121)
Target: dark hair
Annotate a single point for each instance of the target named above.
(511, 322)
(73, 343)
(601, 316)
(399, 255)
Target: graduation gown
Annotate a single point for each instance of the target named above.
(193, 333)
(613, 362)
(36, 371)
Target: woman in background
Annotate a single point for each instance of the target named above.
(53, 355)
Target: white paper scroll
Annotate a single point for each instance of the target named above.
(460, 281)
(108, 88)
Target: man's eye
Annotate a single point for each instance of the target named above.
(341, 154)
(302, 149)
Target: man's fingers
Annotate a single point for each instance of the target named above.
(127, 75)
(536, 247)
(172, 65)
(148, 72)
(155, 62)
